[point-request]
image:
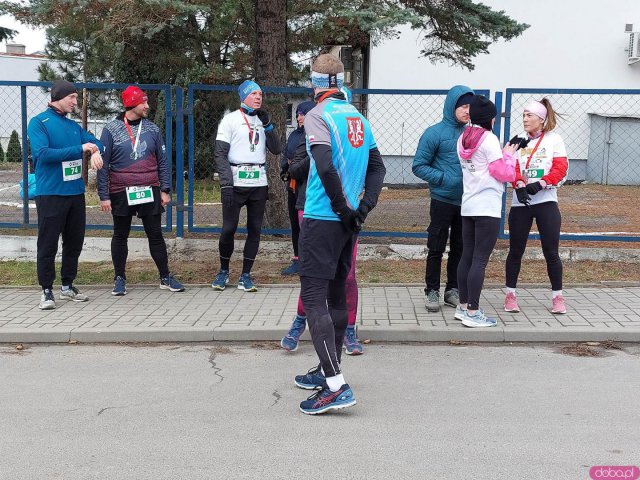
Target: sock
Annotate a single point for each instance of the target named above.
(336, 382)
(463, 306)
(510, 290)
(64, 288)
(247, 264)
(224, 263)
(556, 293)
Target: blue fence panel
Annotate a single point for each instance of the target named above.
(32, 98)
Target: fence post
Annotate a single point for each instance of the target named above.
(25, 157)
(179, 163)
(168, 142)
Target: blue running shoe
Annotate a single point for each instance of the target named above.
(221, 280)
(351, 344)
(245, 282)
(292, 269)
(312, 380)
(326, 400)
(478, 319)
(290, 340)
(170, 283)
(119, 287)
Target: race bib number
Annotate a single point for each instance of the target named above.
(249, 176)
(139, 195)
(535, 173)
(71, 170)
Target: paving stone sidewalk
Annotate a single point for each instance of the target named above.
(386, 313)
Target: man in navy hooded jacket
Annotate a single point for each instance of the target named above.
(295, 139)
(436, 162)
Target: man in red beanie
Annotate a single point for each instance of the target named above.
(135, 180)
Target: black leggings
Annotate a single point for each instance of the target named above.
(479, 235)
(548, 220)
(292, 198)
(255, 198)
(325, 302)
(157, 247)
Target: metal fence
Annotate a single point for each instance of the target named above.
(20, 101)
(601, 130)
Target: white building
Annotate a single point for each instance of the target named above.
(571, 44)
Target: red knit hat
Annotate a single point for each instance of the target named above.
(133, 96)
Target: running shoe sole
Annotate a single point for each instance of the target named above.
(288, 349)
(513, 310)
(218, 287)
(47, 307)
(459, 316)
(307, 386)
(433, 309)
(352, 352)
(119, 294)
(469, 324)
(329, 407)
(449, 304)
(559, 313)
(65, 297)
(167, 287)
(252, 289)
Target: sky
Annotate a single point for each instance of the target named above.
(34, 40)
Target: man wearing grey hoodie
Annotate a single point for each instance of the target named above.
(436, 162)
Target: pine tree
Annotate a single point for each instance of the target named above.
(14, 149)
(1, 153)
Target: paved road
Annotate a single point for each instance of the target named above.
(225, 410)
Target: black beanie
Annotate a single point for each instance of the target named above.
(482, 111)
(465, 99)
(60, 89)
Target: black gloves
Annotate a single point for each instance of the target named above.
(263, 117)
(363, 211)
(519, 142)
(350, 219)
(533, 188)
(523, 196)
(227, 196)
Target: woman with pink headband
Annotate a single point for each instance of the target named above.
(540, 169)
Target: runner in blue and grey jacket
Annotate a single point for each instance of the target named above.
(436, 162)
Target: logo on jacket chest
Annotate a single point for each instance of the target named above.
(355, 131)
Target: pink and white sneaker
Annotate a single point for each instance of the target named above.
(559, 306)
(511, 303)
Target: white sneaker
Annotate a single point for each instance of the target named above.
(72, 293)
(47, 300)
(478, 319)
(459, 315)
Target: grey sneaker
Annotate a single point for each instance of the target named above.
(72, 293)
(452, 297)
(47, 300)
(432, 301)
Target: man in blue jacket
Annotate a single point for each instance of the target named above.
(436, 162)
(58, 145)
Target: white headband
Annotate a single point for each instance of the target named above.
(537, 109)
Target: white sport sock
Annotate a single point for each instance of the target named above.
(64, 288)
(556, 293)
(510, 290)
(335, 383)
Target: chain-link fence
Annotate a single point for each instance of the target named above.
(21, 101)
(600, 128)
(398, 119)
(601, 132)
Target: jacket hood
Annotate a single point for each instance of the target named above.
(470, 140)
(449, 111)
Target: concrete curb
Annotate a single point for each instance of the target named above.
(239, 333)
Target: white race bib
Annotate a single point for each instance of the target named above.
(249, 175)
(139, 195)
(71, 170)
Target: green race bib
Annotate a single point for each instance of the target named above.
(71, 170)
(536, 173)
(139, 195)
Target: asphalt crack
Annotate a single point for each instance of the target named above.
(216, 369)
(278, 397)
